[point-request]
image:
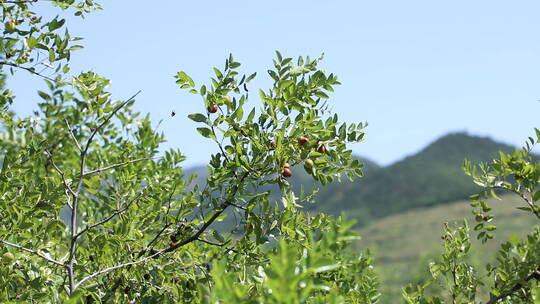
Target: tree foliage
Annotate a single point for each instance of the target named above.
(93, 210)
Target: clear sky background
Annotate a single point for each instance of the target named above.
(414, 70)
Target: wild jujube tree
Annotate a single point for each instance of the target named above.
(92, 210)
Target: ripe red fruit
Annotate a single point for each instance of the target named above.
(302, 140)
(322, 149)
(273, 144)
(286, 172)
(286, 165)
(212, 109)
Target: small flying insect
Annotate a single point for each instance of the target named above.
(173, 113)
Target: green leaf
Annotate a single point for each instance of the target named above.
(32, 42)
(536, 294)
(238, 114)
(279, 57)
(51, 55)
(218, 73)
(490, 227)
(250, 77)
(218, 236)
(206, 132)
(536, 196)
(251, 115)
(183, 78)
(55, 24)
(198, 117)
(44, 95)
(76, 47)
(321, 94)
(494, 195)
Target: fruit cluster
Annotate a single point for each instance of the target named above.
(308, 163)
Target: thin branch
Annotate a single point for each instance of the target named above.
(219, 245)
(73, 135)
(30, 70)
(160, 288)
(454, 296)
(17, 1)
(107, 219)
(524, 197)
(167, 225)
(106, 270)
(171, 248)
(69, 264)
(214, 243)
(62, 174)
(218, 143)
(68, 201)
(211, 220)
(156, 237)
(230, 249)
(117, 165)
(518, 286)
(48, 259)
(87, 146)
(237, 206)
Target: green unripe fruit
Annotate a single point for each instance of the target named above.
(10, 26)
(8, 257)
(308, 163)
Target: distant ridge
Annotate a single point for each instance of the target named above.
(430, 177)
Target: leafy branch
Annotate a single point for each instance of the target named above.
(84, 153)
(192, 238)
(533, 276)
(109, 218)
(34, 252)
(87, 173)
(30, 70)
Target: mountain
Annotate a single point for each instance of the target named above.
(430, 177)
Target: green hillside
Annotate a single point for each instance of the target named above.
(430, 177)
(404, 243)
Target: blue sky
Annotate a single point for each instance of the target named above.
(414, 70)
